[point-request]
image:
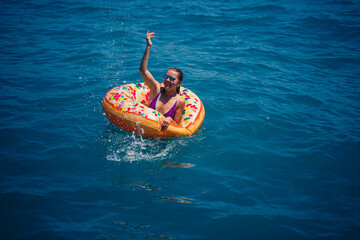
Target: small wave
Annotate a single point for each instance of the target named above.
(130, 147)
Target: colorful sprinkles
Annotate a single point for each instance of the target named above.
(134, 98)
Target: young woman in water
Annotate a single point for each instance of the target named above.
(164, 99)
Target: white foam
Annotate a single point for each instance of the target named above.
(132, 148)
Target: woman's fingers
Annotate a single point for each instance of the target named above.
(164, 125)
(150, 34)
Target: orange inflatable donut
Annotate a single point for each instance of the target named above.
(127, 107)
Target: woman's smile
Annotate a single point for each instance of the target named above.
(167, 83)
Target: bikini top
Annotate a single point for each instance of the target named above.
(169, 113)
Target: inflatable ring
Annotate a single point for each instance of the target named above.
(127, 107)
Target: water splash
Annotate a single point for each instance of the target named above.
(133, 148)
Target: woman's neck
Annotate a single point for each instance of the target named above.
(169, 93)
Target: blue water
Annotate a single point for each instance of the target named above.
(277, 156)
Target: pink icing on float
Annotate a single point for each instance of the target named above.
(127, 107)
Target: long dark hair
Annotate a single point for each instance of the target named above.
(181, 76)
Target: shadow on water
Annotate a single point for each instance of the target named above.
(143, 175)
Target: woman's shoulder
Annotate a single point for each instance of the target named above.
(158, 90)
(181, 101)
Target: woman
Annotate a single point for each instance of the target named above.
(166, 99)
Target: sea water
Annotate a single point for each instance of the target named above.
(277, 156)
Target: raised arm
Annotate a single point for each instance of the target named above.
(146, 75)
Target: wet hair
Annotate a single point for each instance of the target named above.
(181, 76)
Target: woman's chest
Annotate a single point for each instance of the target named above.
(164, 105)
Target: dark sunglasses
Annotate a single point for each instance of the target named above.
(170, 77)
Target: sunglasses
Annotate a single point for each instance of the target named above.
(170, 77)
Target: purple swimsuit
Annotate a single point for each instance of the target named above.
(169, 113)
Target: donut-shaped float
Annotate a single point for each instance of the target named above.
(127, 107)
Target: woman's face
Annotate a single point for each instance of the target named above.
(171, 79)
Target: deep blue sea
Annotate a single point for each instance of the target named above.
(278, 154)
